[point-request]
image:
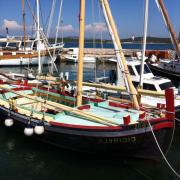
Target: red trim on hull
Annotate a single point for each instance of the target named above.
(159, 121)
(163, 125)
(87, 106)
(120, 105)
(16, 89)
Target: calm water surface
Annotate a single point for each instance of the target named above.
(23, 158)
(125, 46)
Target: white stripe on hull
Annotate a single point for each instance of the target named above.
(85, 59)
(24, 61)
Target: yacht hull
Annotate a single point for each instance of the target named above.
(24, 61)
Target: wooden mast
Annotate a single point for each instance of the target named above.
(132, 90)
(169, 26)
(81, 53)
(24, 24)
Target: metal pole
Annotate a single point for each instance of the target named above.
(38, 39)
(144, 42)
(24, 26)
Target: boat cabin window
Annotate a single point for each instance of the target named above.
(12, 44)
(34, 45)
(3, 44)
(166, 85)
(149, 87)
(146, 69)
(136, 84)
(70, 50)
(131, 71)
(28, 44)
(145, 86)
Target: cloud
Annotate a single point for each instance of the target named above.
(98, 27)
(11, 24)
(67, 28)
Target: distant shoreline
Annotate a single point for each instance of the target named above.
(146, 43)
(137, 40)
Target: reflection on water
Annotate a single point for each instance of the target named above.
(89, 68)
(31, 159)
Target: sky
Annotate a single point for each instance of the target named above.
(128, 15)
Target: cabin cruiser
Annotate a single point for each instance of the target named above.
(150, 82)
(72, 56)
(166, 68)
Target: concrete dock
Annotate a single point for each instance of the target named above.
(108, 53)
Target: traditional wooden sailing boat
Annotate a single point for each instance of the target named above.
(98, 127)
(21, 51)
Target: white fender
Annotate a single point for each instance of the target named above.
(8, 122)
(39, 129)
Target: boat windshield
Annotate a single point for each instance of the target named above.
(131, 71)
(3, 44)
(146, 69)
(149, 87)
(146, 86)
(166, 85)
(13, 44)
(28, 44)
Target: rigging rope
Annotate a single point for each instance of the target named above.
(57, 30)
(50, 18)
(44, 39)
(93, 33)
(163, 155)
(100, 21)
(43, 25)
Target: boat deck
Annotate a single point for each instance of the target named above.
(49, 113)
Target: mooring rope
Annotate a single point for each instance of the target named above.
(173, 170)
(172, 137)
(177, 119)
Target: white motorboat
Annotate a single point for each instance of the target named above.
(72, 56)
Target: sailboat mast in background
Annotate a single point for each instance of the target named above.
(166, 18)
(38, 39)
(24, 24)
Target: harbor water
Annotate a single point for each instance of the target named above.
(26, 159)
